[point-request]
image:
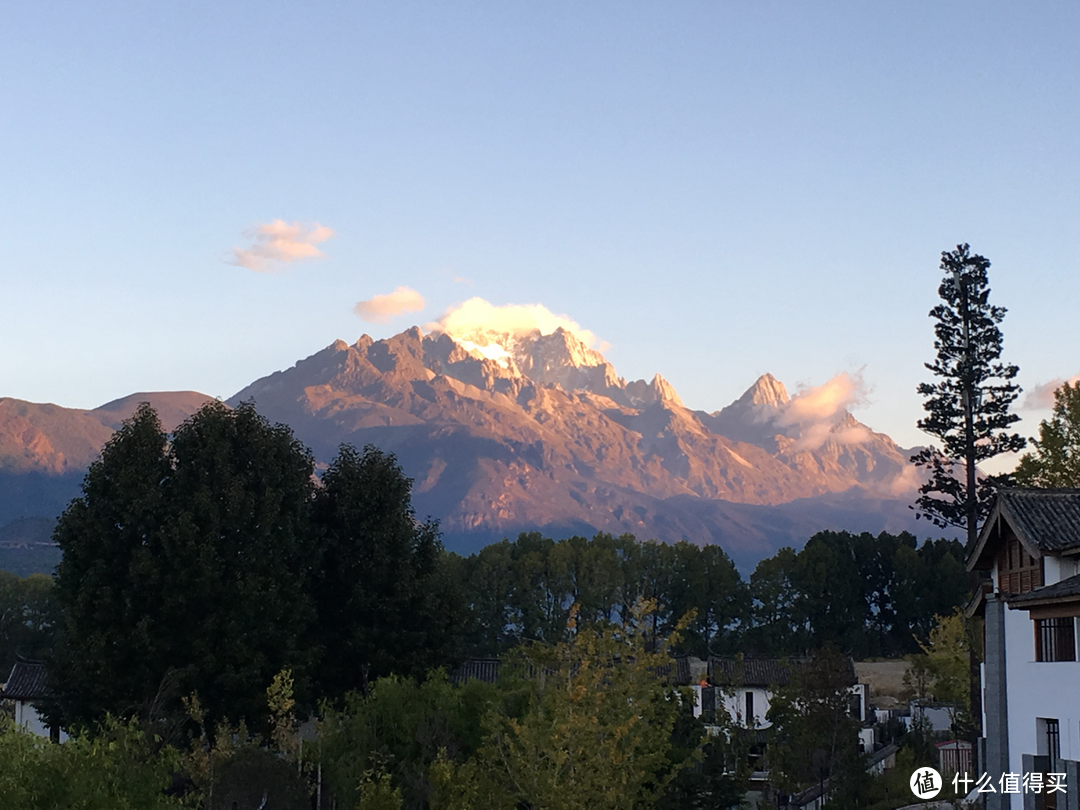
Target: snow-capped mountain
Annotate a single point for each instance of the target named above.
(508, 432)
(514, 431)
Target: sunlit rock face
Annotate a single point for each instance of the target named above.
(507, 432)
(518, 429)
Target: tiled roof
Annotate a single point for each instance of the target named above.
(1064, 588)
(883, 753)
(26, 682)
(1048, 518)
(761, 671)
(487, 670)
(481, 669)
(752, 671)
(682, 670)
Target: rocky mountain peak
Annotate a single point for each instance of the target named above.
(766, 390)
(665, 392)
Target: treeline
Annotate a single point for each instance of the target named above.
(209, 560)
(870, 596)
(585, 724)
(27, 617)
(201, 567)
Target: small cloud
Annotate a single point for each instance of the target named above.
(1041, 397)
(825, 401)
(820, 414)
(278, 242)
(460, 280)
(382, 308)
(477, 316)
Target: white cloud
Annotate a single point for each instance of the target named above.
(818, 412)
(382, 308)
(479, 316)
(1041, 397)
(278, 242)
(825, 401)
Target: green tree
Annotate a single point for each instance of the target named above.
(384, 603)
(946, 659)
(237, 559)
(778, 627)
(703, 581)
(597, 731)
(591, 574)
(831, 591)
(968, 408)
(108, 657)
(119, 768)
(487, 579)
(717, 776)
(813, 736)
(186, 569)
(28, 615)
(1056, 460)
(928, 581)
(402, 728)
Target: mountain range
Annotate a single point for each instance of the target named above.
(505, 432)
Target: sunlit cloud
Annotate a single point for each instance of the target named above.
(382, 308)
(825, 401)
(1041, 397)
(462, 280)
(477, 316)
(819, 413)
(278, 242)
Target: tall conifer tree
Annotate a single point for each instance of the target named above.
(968, 406)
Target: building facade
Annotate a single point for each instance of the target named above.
(1029, 548)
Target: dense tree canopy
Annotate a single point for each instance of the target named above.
(596, 730)
(868, 595)
(185, 567)
(813, 736)
(1056, 460)
(209, 561)
(384, 604)
(120, 768)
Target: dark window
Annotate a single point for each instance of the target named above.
(1053, 743)
(1055, 639)
(749, 708)
(708, 699)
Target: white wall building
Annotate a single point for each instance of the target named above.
(25, 685)
(1030, 545)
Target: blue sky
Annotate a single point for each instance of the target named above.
(714, 189)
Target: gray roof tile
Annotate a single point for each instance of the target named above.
(1048, 518)
(1066, 587)
(752, 671)
(26, 682)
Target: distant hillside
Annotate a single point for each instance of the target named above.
(172, 407)
(44, 452)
